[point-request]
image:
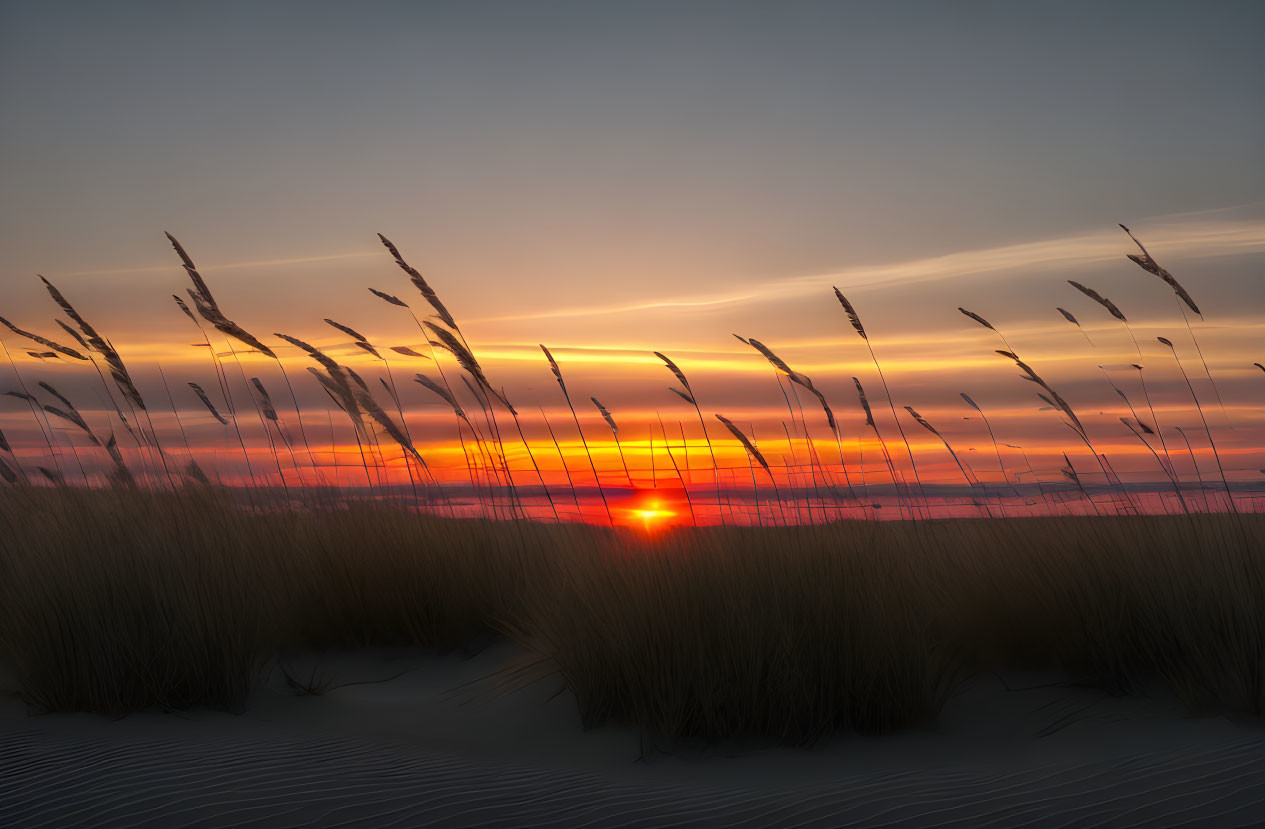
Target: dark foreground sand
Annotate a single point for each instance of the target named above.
(447, 743)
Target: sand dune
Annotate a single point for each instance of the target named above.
(444, 745)
(61, 781)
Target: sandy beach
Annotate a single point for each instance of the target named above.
(490, 740)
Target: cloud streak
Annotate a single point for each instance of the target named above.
(261, 263)
(1172, 240)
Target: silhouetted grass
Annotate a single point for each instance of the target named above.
(162, 590)
(788, 633)
(114, 600)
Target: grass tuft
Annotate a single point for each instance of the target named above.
(118, 600)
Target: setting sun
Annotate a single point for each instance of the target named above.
(653, 516)
(653, 509)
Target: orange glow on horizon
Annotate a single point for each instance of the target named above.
(653, 509)
(1144, 415)
(653, 516)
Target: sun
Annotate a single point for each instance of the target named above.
(652, 510)
(653, 515)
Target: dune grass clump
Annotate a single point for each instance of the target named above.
(793, 633)
(116, 600)
(371, 574)
(775, 633)
(112, 601)
(1119, 600)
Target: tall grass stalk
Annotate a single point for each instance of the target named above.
(855, 319)
(1183, 300)
(1229, 494)
(614, 427)
(686, 393)
(562, 460)
(597, 480)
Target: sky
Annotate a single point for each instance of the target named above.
(612, 179)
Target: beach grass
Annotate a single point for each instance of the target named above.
(115, 600)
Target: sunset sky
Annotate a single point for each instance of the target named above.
(612, 179)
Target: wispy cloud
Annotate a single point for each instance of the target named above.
(226, 266)
(1167, 239)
